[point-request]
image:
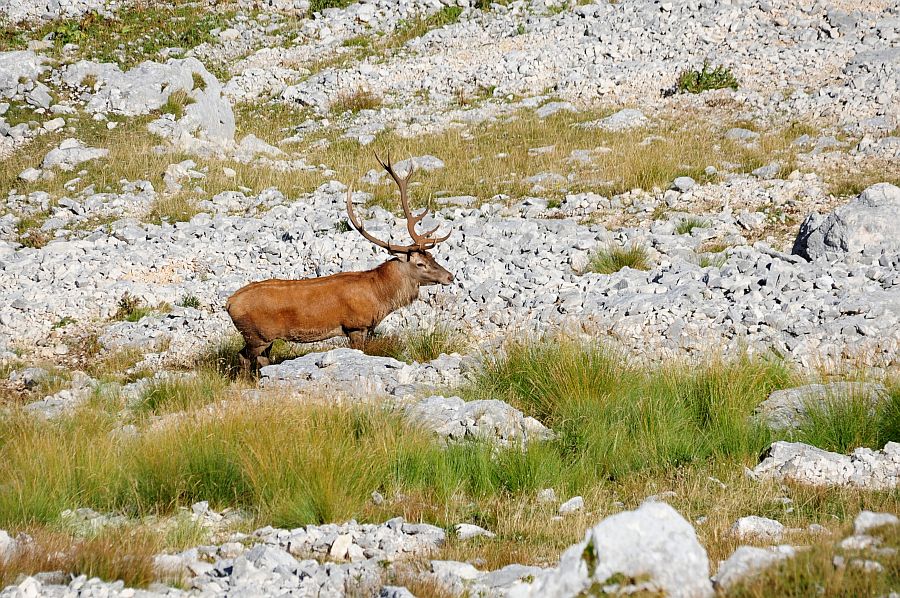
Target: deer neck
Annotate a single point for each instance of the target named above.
(397, 289)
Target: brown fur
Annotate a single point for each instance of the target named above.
(315, 309)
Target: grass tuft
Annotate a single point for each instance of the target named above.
(843, 423)
(173, 393)
(612, 259)
(687, 225)
(355, 101)
(115, 554)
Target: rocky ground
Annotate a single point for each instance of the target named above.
(148, 176)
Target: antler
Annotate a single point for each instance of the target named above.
(357, 224)
(421, 242)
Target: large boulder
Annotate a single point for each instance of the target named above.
(651, 549)
(867, 223)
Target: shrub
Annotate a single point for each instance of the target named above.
(131, 308)
(320, 5)
(694, 81)
(614, 258)
(190, 301)
(169, 394)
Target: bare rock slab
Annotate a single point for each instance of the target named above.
(805, 464)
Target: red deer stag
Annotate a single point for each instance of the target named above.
(347, 303)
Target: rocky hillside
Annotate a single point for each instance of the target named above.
(708, 190)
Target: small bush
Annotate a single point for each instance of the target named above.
(198, 80)
(715, 260)
(416, 345)
(114, 554)
(614, 258)
(190, 301)
(320, 5)
(176, 103)
(131, 308)
(361, 99)
(687, 225)
(172, 208)
(694, 81)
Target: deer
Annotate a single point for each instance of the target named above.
(351, 304)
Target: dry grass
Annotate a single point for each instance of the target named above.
(118, 553)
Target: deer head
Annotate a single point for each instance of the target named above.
(419, 264)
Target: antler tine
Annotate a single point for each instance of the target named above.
(357, 224)
(412, 220)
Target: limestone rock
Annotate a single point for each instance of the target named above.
(868, 222)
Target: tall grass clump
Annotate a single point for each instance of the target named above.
(611, 259)
(613, 417)
(180, 393)
(114, 554)
(842, 423)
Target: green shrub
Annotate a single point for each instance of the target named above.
(190, 301)
(694, 81)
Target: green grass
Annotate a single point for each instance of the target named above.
(355, 101)
(419, 345)
(612, 259)
(843, 423)
(613, 417)
(812, 572)
(174, 393)
(320, 5)
(135, 34)
(687, 225)
(292, 463)
(694, 81)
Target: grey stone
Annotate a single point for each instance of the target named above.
(758, 528)
(627, 118)
(748, 561)
(684, 183)
(866, 223)
(467, 531)
(866, 521)
(70, 153)
(574, 504)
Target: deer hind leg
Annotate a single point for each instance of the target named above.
(252, 356)
(358, 338)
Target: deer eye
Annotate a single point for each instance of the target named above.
(420, 265)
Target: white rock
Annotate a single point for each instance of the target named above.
(758, 528)
(467, 531)
(576, 503)
(653, 544)
(868, 520)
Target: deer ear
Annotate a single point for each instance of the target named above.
(402, 256)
